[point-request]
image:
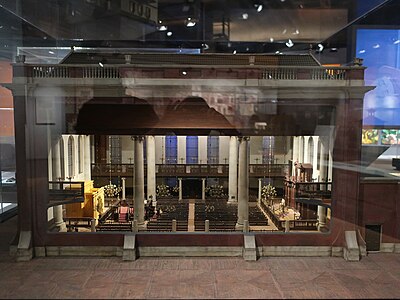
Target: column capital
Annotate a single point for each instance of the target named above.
(139, 138)
(243, 138)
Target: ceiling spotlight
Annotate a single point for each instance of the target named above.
(320, 47)
(162, 28)
(51, 52)
(376, 46)
(190, 23)
(234, 52)
(277, 52)
(205, 46)
(169, 33)
(396, 42)
(259, 7)
(361, 51)
(245, 16)
(296, 32)
(101, 64)
(184, 73)
(271, 39)
(289, 43)
(333, 50)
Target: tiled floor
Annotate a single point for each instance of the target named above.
(375, 276)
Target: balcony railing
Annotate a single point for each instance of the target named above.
(246, 72)
(65, 192)
(259, 170)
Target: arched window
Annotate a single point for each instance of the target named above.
(115, 149)
(301, 149)
(192, 149)
(268, 145)
(171, 149)
(310, 150)
(319, 155)
(80, 154)
(71, 157)
(62, 159)
(212, 149)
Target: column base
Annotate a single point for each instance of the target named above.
(61, 227)
(232, 201)
(239, 227)
(322, 228)
(142, 227)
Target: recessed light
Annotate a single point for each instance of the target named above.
(169, 33)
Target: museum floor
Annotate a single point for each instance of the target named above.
(375, 276)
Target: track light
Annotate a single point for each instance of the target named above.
(190, 22)
(289, 43)
(162, 28)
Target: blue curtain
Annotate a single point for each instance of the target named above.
(171, 149)
(192, 149)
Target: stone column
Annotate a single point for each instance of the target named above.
(87, 162)
(295, 156)
(315, 156)
(243, 187)
(58, 210)
(139, 182)
(321, 218)
(233, 169)
(123, 187)
(151, 168)
(203, 189)
(259, 188)
(180, 188)
(322, 161)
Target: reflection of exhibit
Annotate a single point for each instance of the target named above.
(192, 143)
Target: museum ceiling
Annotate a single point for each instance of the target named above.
(239, 26)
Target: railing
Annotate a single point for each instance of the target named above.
(300, 224)
(116, 71)
(189, 169)
(56, 71)
(64, 192)
(321, 190)
(271, 215)
(293, 224)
